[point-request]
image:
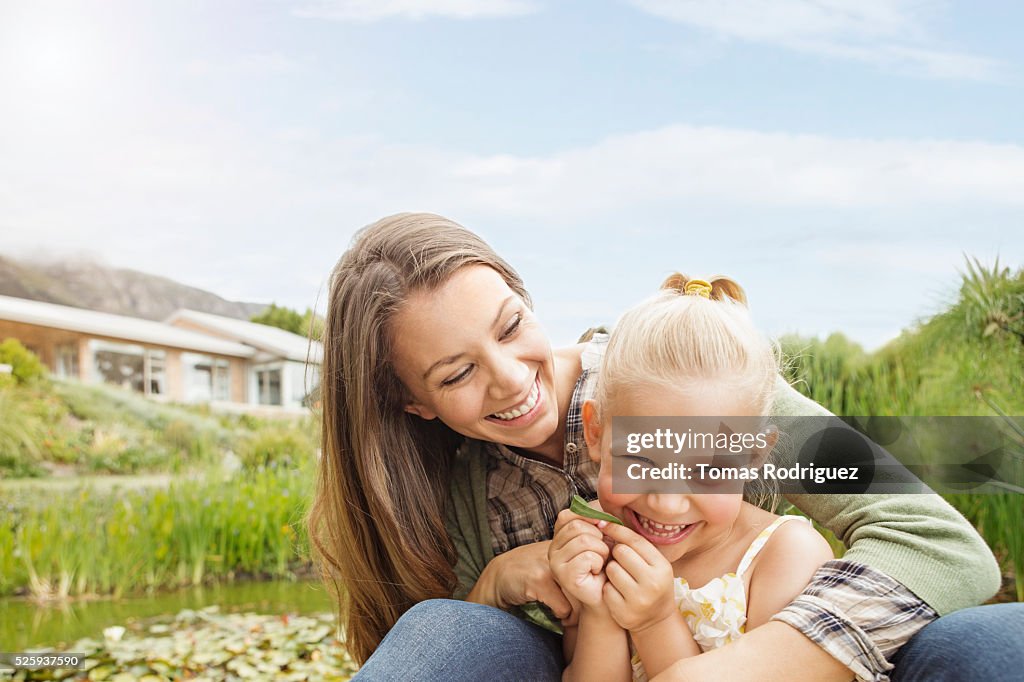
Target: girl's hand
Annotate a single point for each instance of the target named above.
(520, 576)
(577, 555)
(639, 592)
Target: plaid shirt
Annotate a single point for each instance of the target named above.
(857, 614)
(525, 495)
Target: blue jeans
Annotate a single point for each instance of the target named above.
(983, 643)
(442, 639)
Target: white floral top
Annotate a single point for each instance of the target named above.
(717, 612)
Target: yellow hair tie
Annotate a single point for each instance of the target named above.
(697, 287)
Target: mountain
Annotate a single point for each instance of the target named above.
(87, 284)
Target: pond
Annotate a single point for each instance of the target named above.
(25, 624)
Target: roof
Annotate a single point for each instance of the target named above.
(269, 339)
(116, 326)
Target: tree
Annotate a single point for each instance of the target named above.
(290, 320)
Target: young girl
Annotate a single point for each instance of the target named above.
(688, 572)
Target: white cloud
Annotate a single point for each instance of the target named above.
(213, 179)
(376, 10)
(916, 259)
(680, 163)
(888, 33)
(263, 217)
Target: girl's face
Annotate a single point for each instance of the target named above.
(677, 524)
(472, 355)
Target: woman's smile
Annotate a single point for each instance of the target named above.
(525, 411)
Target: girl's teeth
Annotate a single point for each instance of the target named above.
(661, 529)
(526, 406)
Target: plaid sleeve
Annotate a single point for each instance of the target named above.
(858, 615)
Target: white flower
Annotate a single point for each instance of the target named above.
(114, 633)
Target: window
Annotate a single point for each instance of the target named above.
(67, 361)
(221, 380)
(120, 364)
(302, 379)
(206, 378)
(269, 386)
(156, 372)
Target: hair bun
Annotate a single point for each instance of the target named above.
(717, 288)
(675, 282)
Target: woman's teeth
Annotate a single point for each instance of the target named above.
(523, 408)
(660, 529)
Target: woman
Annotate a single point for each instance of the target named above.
(431, 347)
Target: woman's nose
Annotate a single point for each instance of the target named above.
(508, 378)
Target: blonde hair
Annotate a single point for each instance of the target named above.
(676, 336)
(376, 523)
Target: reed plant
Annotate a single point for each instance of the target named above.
(195, 531)
(964, 361)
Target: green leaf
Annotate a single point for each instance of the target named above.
(580, 506)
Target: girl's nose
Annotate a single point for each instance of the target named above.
(668, 505)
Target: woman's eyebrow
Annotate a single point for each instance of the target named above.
(452, 358)
(443, 361)
(501, 310)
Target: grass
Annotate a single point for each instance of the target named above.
(965, 361)
(192, 532)
(74, 428)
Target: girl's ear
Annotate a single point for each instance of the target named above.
(421, 411)
(771, 434)
(592, 430)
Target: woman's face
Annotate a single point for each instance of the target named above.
(472, 355)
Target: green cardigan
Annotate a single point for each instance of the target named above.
(919, 540)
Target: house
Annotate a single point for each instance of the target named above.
(285, 367)
(191, 357)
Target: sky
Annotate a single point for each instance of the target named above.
(838, 158)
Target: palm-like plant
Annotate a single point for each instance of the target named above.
(992, 299)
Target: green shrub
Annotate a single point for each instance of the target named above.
(277, 444)
(25, 366)
(20, 435)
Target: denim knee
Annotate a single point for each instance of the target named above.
(981, 643)
(445, 639)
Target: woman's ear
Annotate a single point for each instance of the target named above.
(421, 411)
(592, 429)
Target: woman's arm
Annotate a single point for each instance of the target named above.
(520, 576)
(918, 540)
(910, 558)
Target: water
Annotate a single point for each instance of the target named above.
(24, 624)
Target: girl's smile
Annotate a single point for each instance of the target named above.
(658, 533)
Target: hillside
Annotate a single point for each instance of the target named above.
(85, 284)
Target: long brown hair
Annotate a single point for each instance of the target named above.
(376, 523)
